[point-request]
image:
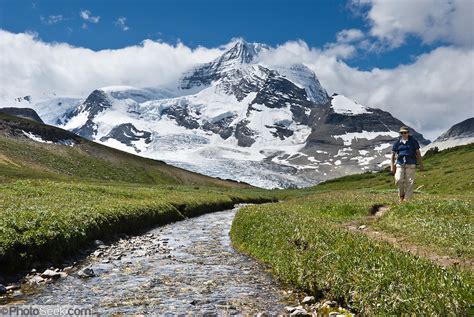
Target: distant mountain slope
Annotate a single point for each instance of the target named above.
(33, 150)
(26, 113)
(236, 117)
(459, 134)
(450, 171)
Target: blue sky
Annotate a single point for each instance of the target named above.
(209, 23)
(413, 58)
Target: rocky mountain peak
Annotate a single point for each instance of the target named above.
(241, 52)
(459, 134)
(462, 129)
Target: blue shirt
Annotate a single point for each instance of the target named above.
(406, 152)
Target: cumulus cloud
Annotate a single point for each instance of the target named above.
(32, 67)
(430, 20)
(430, 94)
(349, 35)
(347, 43)
(86, 15)
(52, 19)
(121, 23)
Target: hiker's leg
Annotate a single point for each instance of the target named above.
(409, 180)
(399, 181)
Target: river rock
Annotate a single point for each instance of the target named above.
(308, 300)
(291, 309)
(330, 303)
(86, 272)
(36, 279)
(13, 287)
(300, 312)
(68, 269)
(51, 274)
(98, 243)
(3, 289)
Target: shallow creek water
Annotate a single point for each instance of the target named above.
(181, 268)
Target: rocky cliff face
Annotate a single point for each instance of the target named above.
(464, 129)
(237, 118)
(26, 113)
(459, 134)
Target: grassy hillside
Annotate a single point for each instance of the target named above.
(416, 258)
(21, 158)
(448, 172)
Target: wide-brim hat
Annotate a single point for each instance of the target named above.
(404, 129)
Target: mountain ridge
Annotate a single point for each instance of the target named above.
(460, 133)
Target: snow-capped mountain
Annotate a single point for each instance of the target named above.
(237, 118)
(459, 134)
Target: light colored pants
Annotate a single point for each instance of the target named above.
(405, 179)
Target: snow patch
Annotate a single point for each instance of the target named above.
(363, 160)
(369, 135)
(35, 137)
(342, 104)
(382, 146)
(443, 145)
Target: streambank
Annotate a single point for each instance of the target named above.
(184, 267)
(48, 234)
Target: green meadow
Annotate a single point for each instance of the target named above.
(308, 244)
(55, 199)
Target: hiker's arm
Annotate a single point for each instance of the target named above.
(392, 165)
(419, 160)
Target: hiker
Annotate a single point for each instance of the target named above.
(406, 152)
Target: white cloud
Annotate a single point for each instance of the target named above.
(349, 35)
(52, 19)
(31, 67)
(450, 21)
(340, 50)
(430, 94)
(121, 22)
(346, 45)
(86, 15)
